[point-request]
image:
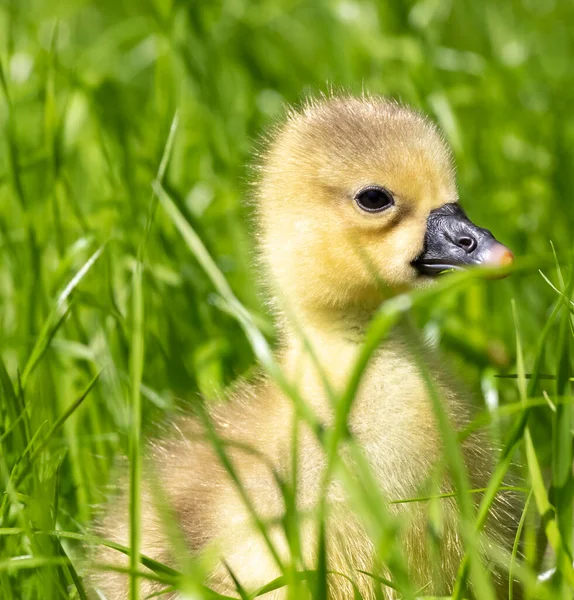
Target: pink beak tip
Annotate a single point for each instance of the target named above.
(499, 256)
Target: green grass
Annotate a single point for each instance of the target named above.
(126, 286)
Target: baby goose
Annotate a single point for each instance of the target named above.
(356, 202)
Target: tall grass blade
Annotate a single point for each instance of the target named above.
(136, 371)
(57, 317)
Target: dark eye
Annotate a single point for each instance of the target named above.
(374, 199)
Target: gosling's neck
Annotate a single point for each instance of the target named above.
(344, 324)
(332, 338)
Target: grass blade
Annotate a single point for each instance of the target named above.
(56, 317)
(136, 371)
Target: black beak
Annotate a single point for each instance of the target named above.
(453, 241)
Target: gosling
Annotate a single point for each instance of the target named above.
(356, 202)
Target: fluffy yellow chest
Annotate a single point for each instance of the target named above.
(391, 415)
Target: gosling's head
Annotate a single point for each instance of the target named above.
(357, 201)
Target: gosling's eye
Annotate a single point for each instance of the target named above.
(374, 199)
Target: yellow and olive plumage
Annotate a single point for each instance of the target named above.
(350, 194)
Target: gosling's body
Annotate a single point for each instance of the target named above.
(329, 267)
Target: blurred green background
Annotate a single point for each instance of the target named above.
(88, 93)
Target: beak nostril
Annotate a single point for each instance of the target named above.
(468, 244)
